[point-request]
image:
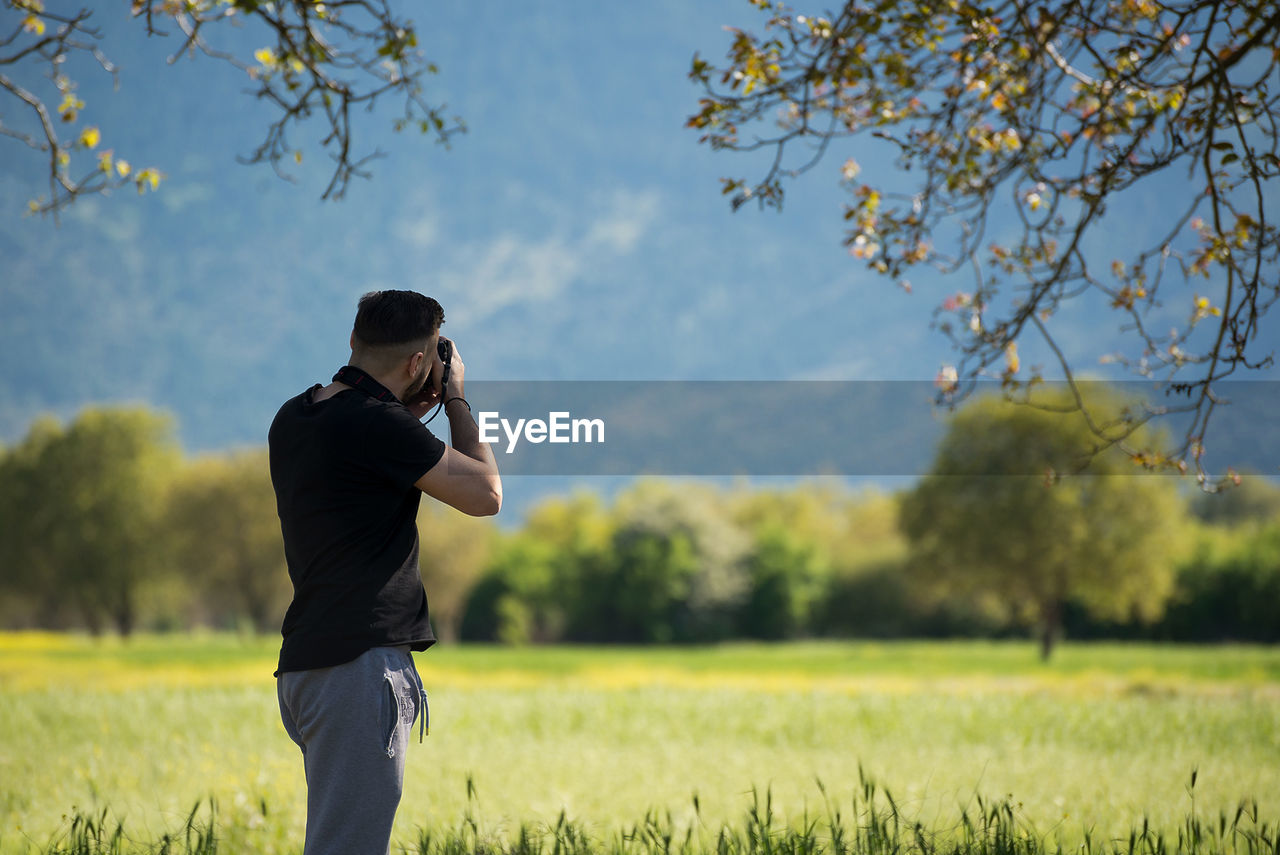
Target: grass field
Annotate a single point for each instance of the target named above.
(1099, 738)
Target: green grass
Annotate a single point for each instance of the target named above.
(873, 825)
(223, 658)
(1097, 739)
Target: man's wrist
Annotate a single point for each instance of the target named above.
(463, 400)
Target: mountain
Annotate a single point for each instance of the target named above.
(575, 232)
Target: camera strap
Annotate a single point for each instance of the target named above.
(357, 379)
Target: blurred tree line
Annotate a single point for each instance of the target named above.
(105, 525)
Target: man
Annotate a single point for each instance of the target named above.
(349, 462)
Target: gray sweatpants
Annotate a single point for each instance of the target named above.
(353, 723)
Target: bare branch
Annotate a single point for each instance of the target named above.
(1059, 109)
(317, 61)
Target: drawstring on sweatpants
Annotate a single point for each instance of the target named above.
(424, 726)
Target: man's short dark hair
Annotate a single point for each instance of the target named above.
(388, 318)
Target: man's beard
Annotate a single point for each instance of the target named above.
(419, 382)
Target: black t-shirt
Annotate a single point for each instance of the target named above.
(344, 470)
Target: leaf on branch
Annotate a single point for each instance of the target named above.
(147, 178)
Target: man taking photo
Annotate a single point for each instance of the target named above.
(349, 462)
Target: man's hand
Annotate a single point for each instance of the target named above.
(456, 371)
(467, 475)
(426, 398)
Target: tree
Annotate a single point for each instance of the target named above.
(786, 572)
(677, 562)
(536, 587)
(1015, 127)
(1009, 519)
(226, 538)
(1229, 588)
(454, 550)
(27, 525)
(315, 60)
(669, 565)
(503, 604)
(83, 514)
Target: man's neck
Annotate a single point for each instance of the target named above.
(386, 378)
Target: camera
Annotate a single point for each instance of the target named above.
(445, 348)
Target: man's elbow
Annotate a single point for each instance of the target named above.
(488, 504)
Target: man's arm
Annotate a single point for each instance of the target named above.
(466, 477)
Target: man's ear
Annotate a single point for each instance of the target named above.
(415, 363)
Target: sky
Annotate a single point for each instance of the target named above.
(576, 231)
